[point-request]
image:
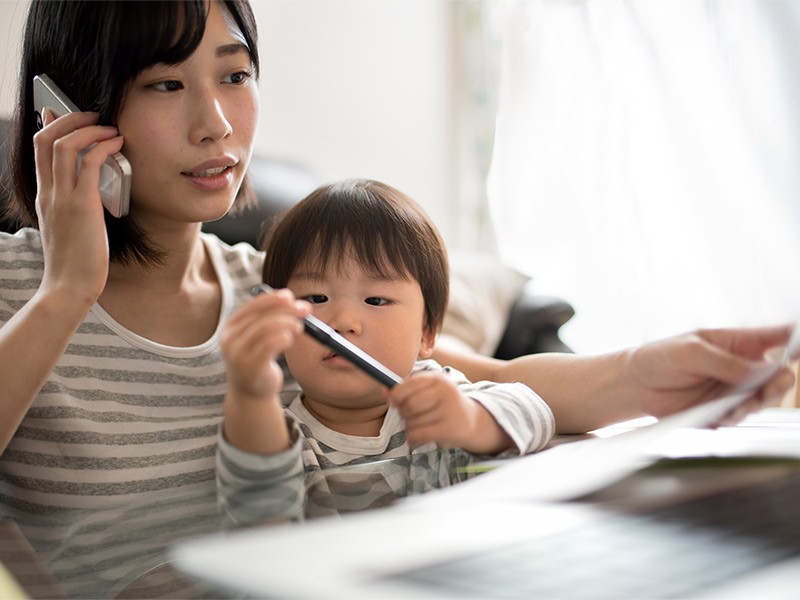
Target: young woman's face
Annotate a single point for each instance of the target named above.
(385, 317)
(189, 128)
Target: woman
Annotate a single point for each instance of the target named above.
(112, 377)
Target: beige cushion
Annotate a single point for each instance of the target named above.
(482, 290)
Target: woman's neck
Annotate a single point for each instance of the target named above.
(184, 262)
(176, 303)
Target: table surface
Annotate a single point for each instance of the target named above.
(123, 553)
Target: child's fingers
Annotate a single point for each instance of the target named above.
(262, 335)
(411, 388)
(279, 300)
(424, 420)
(418, 406)
(425, 433)
(268, 306)
(262, 329)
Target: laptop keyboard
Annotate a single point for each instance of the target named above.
(668, 553)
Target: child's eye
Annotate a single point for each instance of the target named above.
(376, 301)
(238, 78)
(167, 86)
(316, 298)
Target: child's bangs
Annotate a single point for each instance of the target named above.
(378, 256)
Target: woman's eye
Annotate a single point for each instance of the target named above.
(375, 301)
(167, 86)
(315, 298)
(238, 78)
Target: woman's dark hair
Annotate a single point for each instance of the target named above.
(382, 228)
(93, 51)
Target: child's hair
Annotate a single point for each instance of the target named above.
(382, 228)
(92, 51)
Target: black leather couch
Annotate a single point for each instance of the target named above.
(533, 322)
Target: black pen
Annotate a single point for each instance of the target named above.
(326, 335)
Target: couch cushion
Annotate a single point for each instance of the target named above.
(482, 290)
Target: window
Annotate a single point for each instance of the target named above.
(646, 162)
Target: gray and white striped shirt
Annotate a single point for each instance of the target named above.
(119, 416)
(332, 459)
(121, 450)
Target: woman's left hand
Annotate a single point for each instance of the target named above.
(673, 374)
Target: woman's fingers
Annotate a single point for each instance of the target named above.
(44, 140)
(731, 353)
(104, 141)
(69, 152)
(774, 391)
(89, 177)
(718, 356)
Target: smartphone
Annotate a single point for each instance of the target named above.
(115, 174)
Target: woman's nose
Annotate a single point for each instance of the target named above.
(209, 122)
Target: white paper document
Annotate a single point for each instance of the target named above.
(771, 433)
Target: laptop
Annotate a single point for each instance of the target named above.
(597, 518)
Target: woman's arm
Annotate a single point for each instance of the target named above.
(658, 378)
(75, 252)
(580, 390)
(30, 345)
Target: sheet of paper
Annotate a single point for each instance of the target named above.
(770, 433)
(730, 442)
(774, 418)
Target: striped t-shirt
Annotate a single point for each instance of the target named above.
(119, 416)
(332, 459)
(121, 450)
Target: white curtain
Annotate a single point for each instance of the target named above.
(646, 164)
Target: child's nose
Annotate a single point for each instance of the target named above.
(344, 319)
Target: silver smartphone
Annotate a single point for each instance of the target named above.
(115, 174)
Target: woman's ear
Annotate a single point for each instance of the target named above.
(427, 343)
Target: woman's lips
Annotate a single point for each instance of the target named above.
(211, 179)
(210, 172)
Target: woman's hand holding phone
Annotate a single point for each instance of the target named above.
(68, 204)
(76, 260)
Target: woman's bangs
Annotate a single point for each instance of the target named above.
(152, 34)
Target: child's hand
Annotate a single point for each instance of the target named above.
(435, 411)
(255, 336)
(251, 341)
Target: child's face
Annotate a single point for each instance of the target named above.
(384, 317)
(189, 128)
